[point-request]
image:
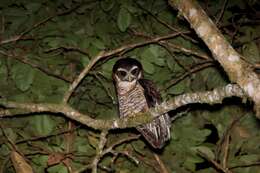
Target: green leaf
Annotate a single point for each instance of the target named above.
(47, 89)
(189, 164)
(93, 50)
(167, 16)
(205, 150)
(161, 76)
(4, 149)
(11, 134)
(148, 66)
(170, 63)
(84, 60)
(54, 43)
(82, 146)
(152, 54)
(249, 33)
(138, 146)
(40, 160)
(148, 55)
(98, 43)
(33, 6)
(155, 51)
(179, 88)
(198, 84)
(14, 11)
(123, 19)
(43, 124)
(23, 76)
(60, 168)
(93, 140)
(213, 78)
(84, 43)
(251, 52)
(107, 5)
(107, 68)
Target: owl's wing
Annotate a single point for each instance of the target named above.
(151, 93)
(158, 131)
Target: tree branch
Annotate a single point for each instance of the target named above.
(99, 150)
(238, 70)
(106, 54)
(208, 97)
(47, 71)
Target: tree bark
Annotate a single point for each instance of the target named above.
(237, 69)
(208, 97)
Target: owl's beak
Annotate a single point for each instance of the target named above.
(129, 78)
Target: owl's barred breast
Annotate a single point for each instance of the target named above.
(132, 102)
(158, 131)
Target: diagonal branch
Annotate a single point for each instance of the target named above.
(99, 150)
(47, 71)
(238, 70)
(36, 25)
(106, 54)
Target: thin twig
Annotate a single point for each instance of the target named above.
(107, 150)
(105, 87)
(106, 54)
(245, 165)
(213, 162)
(174, 57)
(223, 145)
(124, 153)
(175, 46)
(222, 12)
(226, 151)
(36, 25)
(183, 76)
(84, 168)
(47, 136)
(68, 49)
(47, 71)
(10, 141)
(168, 25)
(69, 141)
(99, 150)
(4, 163)
(160, 162)
(149, 163)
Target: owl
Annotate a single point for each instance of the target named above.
(136, 94)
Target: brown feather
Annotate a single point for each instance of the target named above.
(138, 96)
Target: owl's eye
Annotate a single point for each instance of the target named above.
(134, 72)
(122, 73)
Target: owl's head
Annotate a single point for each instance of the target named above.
(126, 73)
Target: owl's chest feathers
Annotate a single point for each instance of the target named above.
(132, 102)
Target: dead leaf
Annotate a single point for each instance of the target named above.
(20, 165)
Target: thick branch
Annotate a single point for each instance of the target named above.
(208, 97)
(238, 70)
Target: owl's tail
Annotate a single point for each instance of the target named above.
(157, 132)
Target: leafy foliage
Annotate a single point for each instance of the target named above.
(44, 45)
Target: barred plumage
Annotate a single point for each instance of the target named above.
(137, 95)
(132, 102)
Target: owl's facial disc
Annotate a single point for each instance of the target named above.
(128, 75)
(126, 79)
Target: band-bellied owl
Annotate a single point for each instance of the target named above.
(136, 94)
